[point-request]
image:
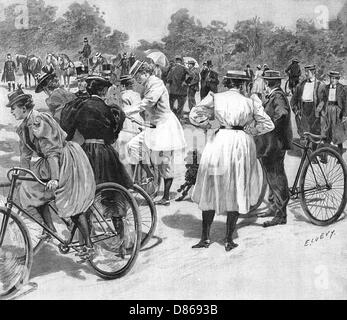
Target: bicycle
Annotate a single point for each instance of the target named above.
(116, 246)
(320, 182)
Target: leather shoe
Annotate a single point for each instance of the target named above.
(275, 221)
(162, 202)
(202, 244)
(230, 245)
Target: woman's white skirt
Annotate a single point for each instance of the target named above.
(229, 177)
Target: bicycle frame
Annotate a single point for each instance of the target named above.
(67, 244)
(294, 191)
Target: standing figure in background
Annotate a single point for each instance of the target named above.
(250, 75)
(57, 97)
(203, 75)
(9, 73)
(258, 84)
(132, 59)
(308, 101)
(334, 111)
(211, 79)
(124, 64)
(178, 89)
(228, 179)
(193, 84)
(294, 72)
(85, 53)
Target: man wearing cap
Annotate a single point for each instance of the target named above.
(193, 83)
(178, 89)
(165, 138)
(209, 80)
(308, 101)
(86, 51)
(272, 147)
(57, 97)
(9, 73)
(294, 73)
(335, 110)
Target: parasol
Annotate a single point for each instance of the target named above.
(158, 58)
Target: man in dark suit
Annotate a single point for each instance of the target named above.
(193, 83)
(86, 52)
(178, 89)
(308, 101)
(335, 110)
(272, 146)
(294, 73)
(209, 80)
(250, 75)
(9, 73)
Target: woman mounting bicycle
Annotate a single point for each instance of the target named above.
(71, 181)
(166, 138)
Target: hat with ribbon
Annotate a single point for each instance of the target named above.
(101, 81)
(310, 67)
(43, 80)
(236, 75)
(17, 96)
(82, 72)
(334, 74)
(272, 75)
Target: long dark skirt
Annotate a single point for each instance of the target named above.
(106, 165)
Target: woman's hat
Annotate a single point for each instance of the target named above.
(191, 62)
(135, 67)
(310, 67)
(17, 96)
(334, 74)
(98, 80)
(272, 75)
(236, 75)
(43, 80)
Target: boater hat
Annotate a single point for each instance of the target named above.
(17, 96)
(99, 80)
(272, 75)
(236, 75)
(334, 74)
(43, 80)
(310, 67)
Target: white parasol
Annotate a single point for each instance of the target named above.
(158, 58)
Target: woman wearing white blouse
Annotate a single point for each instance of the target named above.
(228, 179)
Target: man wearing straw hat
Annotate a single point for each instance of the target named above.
(308, 101)
(272, 147)
(335, 111)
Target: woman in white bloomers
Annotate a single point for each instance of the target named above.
(228, 179)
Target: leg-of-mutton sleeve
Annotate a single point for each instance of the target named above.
(262, 122)
(203, 112)
(50, 137)
(25, 155)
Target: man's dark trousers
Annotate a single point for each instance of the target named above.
(181, 100)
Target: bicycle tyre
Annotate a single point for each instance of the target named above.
(96, 207)
(8, 262)
(317, 155)
(146, 235)
(152, 188)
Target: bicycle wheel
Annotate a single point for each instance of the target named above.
(151, 188)
(16, 255)
(115, 231)
(262, 191)
(148, 213)
(323, 190)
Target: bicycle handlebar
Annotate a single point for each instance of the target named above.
(152, 126)
(34, 177)
(312, 137)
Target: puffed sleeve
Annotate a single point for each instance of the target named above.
(262, 122)
(49, 135)
(25, 155)
(203, 112)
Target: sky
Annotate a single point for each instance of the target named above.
(148, 19)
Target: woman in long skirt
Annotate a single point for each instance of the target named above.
(228, 179)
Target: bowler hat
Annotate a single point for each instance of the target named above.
(82, 72)
(272, 75)
(236, 75)
(135, 67)
(43, 80)
(335, 74)
(310, 67)
(17, 96)
(99, 80)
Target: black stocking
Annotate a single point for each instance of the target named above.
(81, 222)
(167, 187)
(47, 217)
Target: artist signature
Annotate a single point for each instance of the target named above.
(322, 236)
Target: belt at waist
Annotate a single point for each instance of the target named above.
(232, 128)
(332, 102)
(99, 141)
